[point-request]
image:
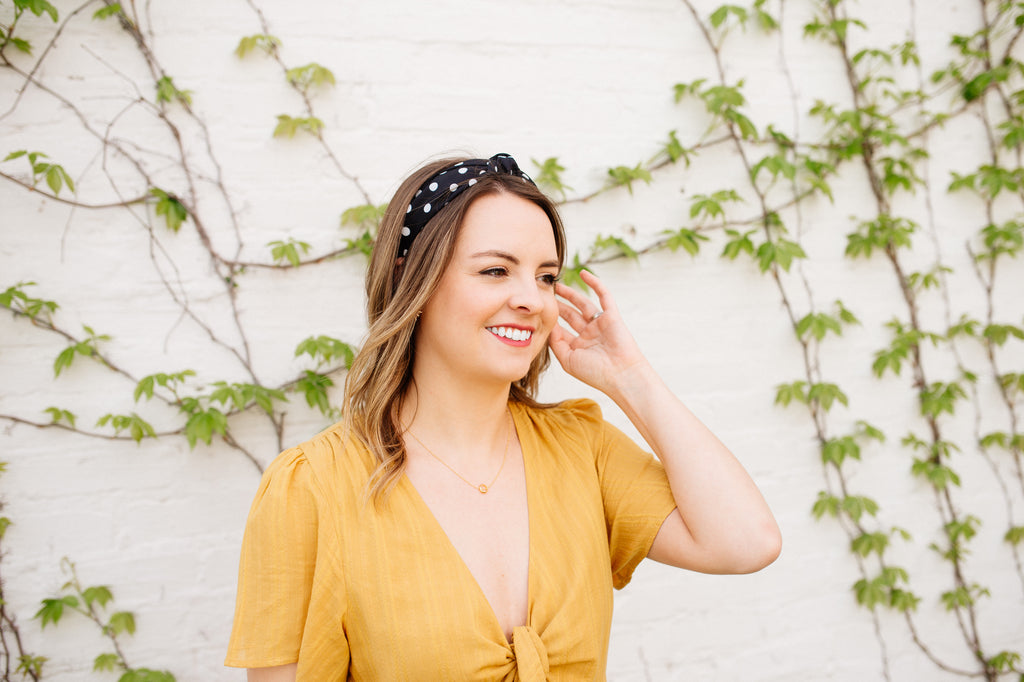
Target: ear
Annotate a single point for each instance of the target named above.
(396, 273)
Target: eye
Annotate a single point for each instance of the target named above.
(494, 272)
(549, 278)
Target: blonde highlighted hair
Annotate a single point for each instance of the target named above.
(396, 290)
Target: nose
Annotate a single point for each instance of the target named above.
(526, 294)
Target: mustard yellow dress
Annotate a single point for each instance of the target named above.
(352, 592)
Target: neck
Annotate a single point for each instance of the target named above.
(463, 420)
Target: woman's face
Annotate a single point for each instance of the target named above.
(495, 305)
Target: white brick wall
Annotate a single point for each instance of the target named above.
(589, 82)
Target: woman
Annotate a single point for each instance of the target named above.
(451, 527)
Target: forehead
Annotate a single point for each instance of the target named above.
(506, 222)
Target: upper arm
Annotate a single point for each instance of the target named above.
(675, 545)
(275, 577)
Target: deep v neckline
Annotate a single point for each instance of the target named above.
(466, 572)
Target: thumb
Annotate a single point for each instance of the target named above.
(558, 342)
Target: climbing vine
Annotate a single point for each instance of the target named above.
(956, 357)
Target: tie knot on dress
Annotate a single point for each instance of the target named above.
(530, 655)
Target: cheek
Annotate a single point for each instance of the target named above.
(550, 314)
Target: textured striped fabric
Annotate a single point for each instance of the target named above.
(354, 592)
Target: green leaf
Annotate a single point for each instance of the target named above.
(99, 594)
(625, 176)
(366, 217)
(817, 325)
(5, 523)
(977, 86)
(738, 243)
(825, 394)
(787, 393)
(963, 597)
(1015, 535)
(58, 415)
(939, 475)
(748, 131)
(1005, 662)
(960, 531)
(856, 506)
(781, 253)
(288, 251)
(571, 274)
(260, 41)
(825, 504)
(865, 430)
(203, 424)
(171, 208)
(38, 7)
(686, 239)
(326, 350)
(107, 11)
(31, 665)
(884, 232)
(1006, 239)
(719, 16)
(310, 75)
(616, 246)
(549, 175)
(15, 299)
(675, 150)
(870, 593)
(939, 398)
(903, 600)
(765, 21)
(148, 384)
(288, 126)
(137, 427)
(121, 622)
(999, 334)
(710, 205)
(836, 450)
(52, 610)
(22, 45)
(314, 386)
(64, 360)
(167, 92)
(866, 543)
(106, 663)
(775, 165)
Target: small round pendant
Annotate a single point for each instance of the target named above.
(482, 488)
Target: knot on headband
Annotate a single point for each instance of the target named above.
(441, 188)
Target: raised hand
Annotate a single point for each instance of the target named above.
(602, 352)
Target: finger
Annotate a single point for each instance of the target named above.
(604, 294)
(586, 307)
(573, 316)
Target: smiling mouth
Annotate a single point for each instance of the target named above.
(511, 333)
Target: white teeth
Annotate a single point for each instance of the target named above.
(511, 333)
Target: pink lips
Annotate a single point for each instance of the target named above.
(512, 335)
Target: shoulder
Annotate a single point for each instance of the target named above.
(316, 467)
(578, 421)
(568, 413)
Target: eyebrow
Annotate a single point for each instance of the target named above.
(510, 258)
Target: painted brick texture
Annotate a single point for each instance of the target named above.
(588, 82)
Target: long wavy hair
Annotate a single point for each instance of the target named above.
(396, 290)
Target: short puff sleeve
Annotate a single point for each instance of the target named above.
(291, 594)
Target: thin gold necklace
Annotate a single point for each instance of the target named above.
(482, 487)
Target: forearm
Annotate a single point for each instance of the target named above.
(728, 525)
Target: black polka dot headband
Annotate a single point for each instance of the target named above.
(444, 186)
